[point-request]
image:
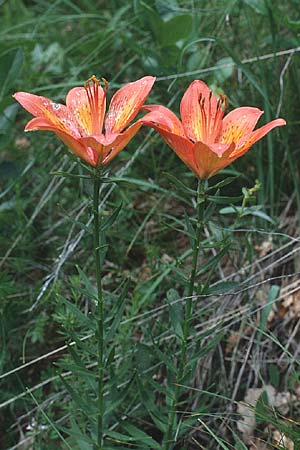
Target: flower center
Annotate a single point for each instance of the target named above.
(211, 116)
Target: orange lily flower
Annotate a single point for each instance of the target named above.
(79, 124)
(204, 140)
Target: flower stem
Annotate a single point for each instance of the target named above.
(168, 441)
(99, 311)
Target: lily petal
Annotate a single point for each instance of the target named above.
(164, 118)
(41, 123)
(94, 143)
(109, 146)
(88, 112)
(126, 103)
(208, 162)
(99, 140)
(247, 142)
(87, 154)
(42, 107)
(37, 105)
(82, 151)
(193, 119)
(239, 123)
(182, 146)
(219, 148)
(121, 141)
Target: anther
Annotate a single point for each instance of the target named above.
(224, 101)
(105, 84)
(92, 81)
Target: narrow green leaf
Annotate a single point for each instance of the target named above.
(223, 287)
(162, 275)
(262, 410)
(260, 214)
(107, 223)
(70, 175)
(80, 371)
(239, 445)
(148, 401)
(141, 436)
(110, 355)
(80, 367)
(221, 200)
(81, 318)
(222, 183)
(273, 294)
(230, 210)
(79, 224)
(117, 313)
(134, 181)
(212, 262)
(175, 312)
(91, 290)
(120, 437)
(259, 6)
(190, 229)
(275, 376)
(215, 437)
(118, 396)
(181, 186)
(191, 364)
(47, 418)
(76, 434)
(87, 408)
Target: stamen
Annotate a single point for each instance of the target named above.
(224, 102)
(92, 91)
(204, 118)
(211, 116)
(105, 84)
(93, 80)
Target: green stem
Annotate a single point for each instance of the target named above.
(100, 312)
(168, 441)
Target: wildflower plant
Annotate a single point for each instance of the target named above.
(79, 125)
(206, 142)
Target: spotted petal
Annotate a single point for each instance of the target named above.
(182, 146)
(110, 145)
(247, 142)
(88, 111)
(42, 107)
(193, 119)
(239, 123)
(80, 150)
(163, 118)
(126, 103)
(208, 162)
(121, 141)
